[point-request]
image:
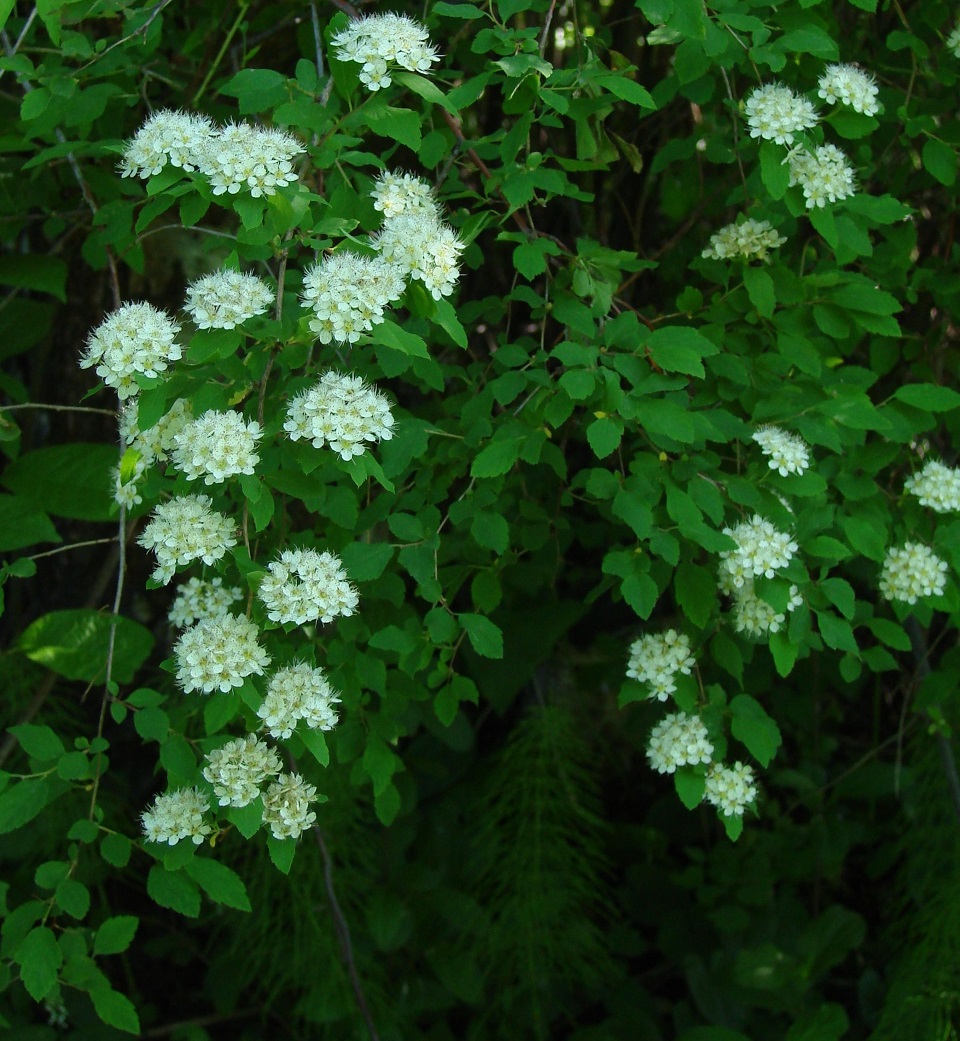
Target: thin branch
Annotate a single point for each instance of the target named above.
(231, 32)
(317, 43)
(12, 50)
(60, 408)
(546, 28)
(142, 31)
(73, 545)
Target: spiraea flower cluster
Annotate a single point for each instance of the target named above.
(751, 614)
(177, 815)
(216, 446)
(186, 529)
(307, 586)
(238, 769)
(936, 486)
(383, 42)
(776, 113)
(911, 572)
(218, 654)
(678, 740)
(134, 339)
(656, 659)
(151, 445)
(286, 806)
(730, 788)
(297, 692)
(395, 193)
(201, 598)
(825, 175)
(226, 299)
(761, 550)
(170, 137)
(342, 412)
(422, 247)
(748, 240)
(787, 453)
(348, 294)
(850, 86)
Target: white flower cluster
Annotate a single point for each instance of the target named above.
(381, 42)
(395, 193)
(236, 157)
(341, 411)
(936, 486)
(286, 806)
(678, 740)
(297, 692)
(788, 453)
(218, 654)
(953, 42)
(911, 572)
(186, 529)
(423, 247)
(776, 113)
(751, 614)
(761, 550)
(850, 86)
(730, 788)
(216, 446)
(136, 338)
(349, 293)
(238, 769)
(750, 239)
(177, 815)
(825, 175)
(226, 299)
(202, 598)
(306, 586)
(655, 659)
(152, 445)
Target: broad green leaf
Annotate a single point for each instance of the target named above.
(940, 161)
(221, 883)
(760, 290)
(928, 396)
(690, 786)
(774, 170)
(23, 523)
(174, 889)
(66, 480)
(73, 897)
(389, 334)
(256, 89)
(496, 459)
(626, 89)
(751, 725)
(22, 801)
(39, 957)
(39, 742)
(282, 852)
(115, 1009)
(485, 637)
(34, 271)
(696, 591)
(604, 435)
(398, 124)
(115, 935)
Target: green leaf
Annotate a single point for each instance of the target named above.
(386, 805)
(222, 884)
(491, 531)
(173, 889)
(73, 897)
(760, 289)
(39, 742)
(23, 801)
(256, 89)
(115, 935)
(679, 348)
(116, 849)
(690, 786)
(496, 459)
(840, 593)
(696, 591)
(784, 651)
(604, 436)
(39, 958)
(366, 561)
(36, 272)
(316, 745)
(115, 1009)
(837, 633)
(928, 396)
(389, 334)
(774, 170)
(23, 523)
(940, 161)
(282, 852)
(427, 89)
(66, 480)
(248, 819)
(626, 89)
(398, 124)
(751, 725)
(485, 637)
(460, 10)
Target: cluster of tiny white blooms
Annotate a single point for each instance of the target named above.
(381, 42)
(186, 529)
(788, 453)
(126, 492)
(394, 194)
(286, 806)
(134, 338)
(226, 299)
(775, 113)
(348, 294)
(850, 86)
(936, 486)
(341, 411)
(752, 238)
(175, 816)
(297, 692)
(202, 598)
(243, 157)
(730, 788)
(218, 654)
(155, 443)
(678, 740)
(825, 175)
(237, 769)
(761, 550)
(911, 572)
(423, 247)
(656, 658)
(216, 446)
(166, 137)
(953, 42)
(753, 615)
(305, 586)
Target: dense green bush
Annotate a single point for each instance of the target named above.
(665, 482)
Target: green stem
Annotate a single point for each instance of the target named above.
(244, 4)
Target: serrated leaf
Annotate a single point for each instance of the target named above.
(115, 1009)
(23, 801)
(928, 396)
(39, 742)
(282, 852)
(496, 459)
(784, 651)
(389, 334)
(690, 786)
(696, 591)
(760, 289)
(774, 171)
(40, 958)
(115, 934)
(73, 897)
(485, 637)
(222, 884)
(173, 889)
(940, 161)
(604, 436)
(752, 726)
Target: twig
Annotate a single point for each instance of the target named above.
(60, 408)
(12, 50)
(346, 8)
(73, 545)
(231, 32)
(546, 28)
(317, 45)
(142, 31)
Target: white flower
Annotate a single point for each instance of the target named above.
(348, 294)
(775, 113)
(382, 41)
(761, 550)
(730, 788)
(237, 769)
(216, 446)
(788, 453)
(136, 338)
(202, 598)
(306, 586)
(657, 657)
(242, 157)
(226, 299)
(911, 572)
(394, 194)
(125, 492)
(298, 692)
(421, 246)
(186, 529)
(678, 740)
(953, 42)
(825, 175)
(166, 136)
(286, 806)
(936, 486)
(218, 654)
(850, 86)
(341, 411)
(155, 443)
(751, 614)
(749, 239)
(175, 816)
